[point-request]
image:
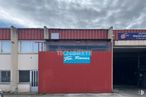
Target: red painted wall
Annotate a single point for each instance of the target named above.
(56, 77)
(30, 34)
(4, 34)
(38, 33)
(81, 33)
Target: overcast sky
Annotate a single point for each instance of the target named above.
(121, 14)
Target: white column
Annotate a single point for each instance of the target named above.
(110, 36)
(46, 34)
(14, 60)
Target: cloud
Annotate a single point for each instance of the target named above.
(74, 13)
(4, 24)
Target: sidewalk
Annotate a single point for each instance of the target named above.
(119, 92)
(71, 95)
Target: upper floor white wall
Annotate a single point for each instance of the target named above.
(25, 61)
(28, 61)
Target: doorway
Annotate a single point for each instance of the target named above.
(127, 63)
(34, 80)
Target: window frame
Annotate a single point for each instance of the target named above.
(8, 45)
(8, 82)
(28, 77)
(38, 44)
(55, 36)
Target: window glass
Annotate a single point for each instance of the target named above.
(24, 76)
(54, 35)
(5, 46)
(35, 47)
(28, 47)
(77, 47)
(5, 76)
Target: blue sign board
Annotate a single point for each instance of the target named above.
(75, 57)
(132, 36)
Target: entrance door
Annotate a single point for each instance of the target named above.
(34, 80)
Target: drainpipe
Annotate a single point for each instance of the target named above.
(110, 36)
(14, 60)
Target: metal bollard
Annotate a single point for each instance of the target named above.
(1, 93)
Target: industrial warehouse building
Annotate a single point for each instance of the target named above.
(70, 60)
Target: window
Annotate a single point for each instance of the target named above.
(5, 46)
(54, 35)
(24, 76)
(28, 47)
(4, 76)
(77, 47)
